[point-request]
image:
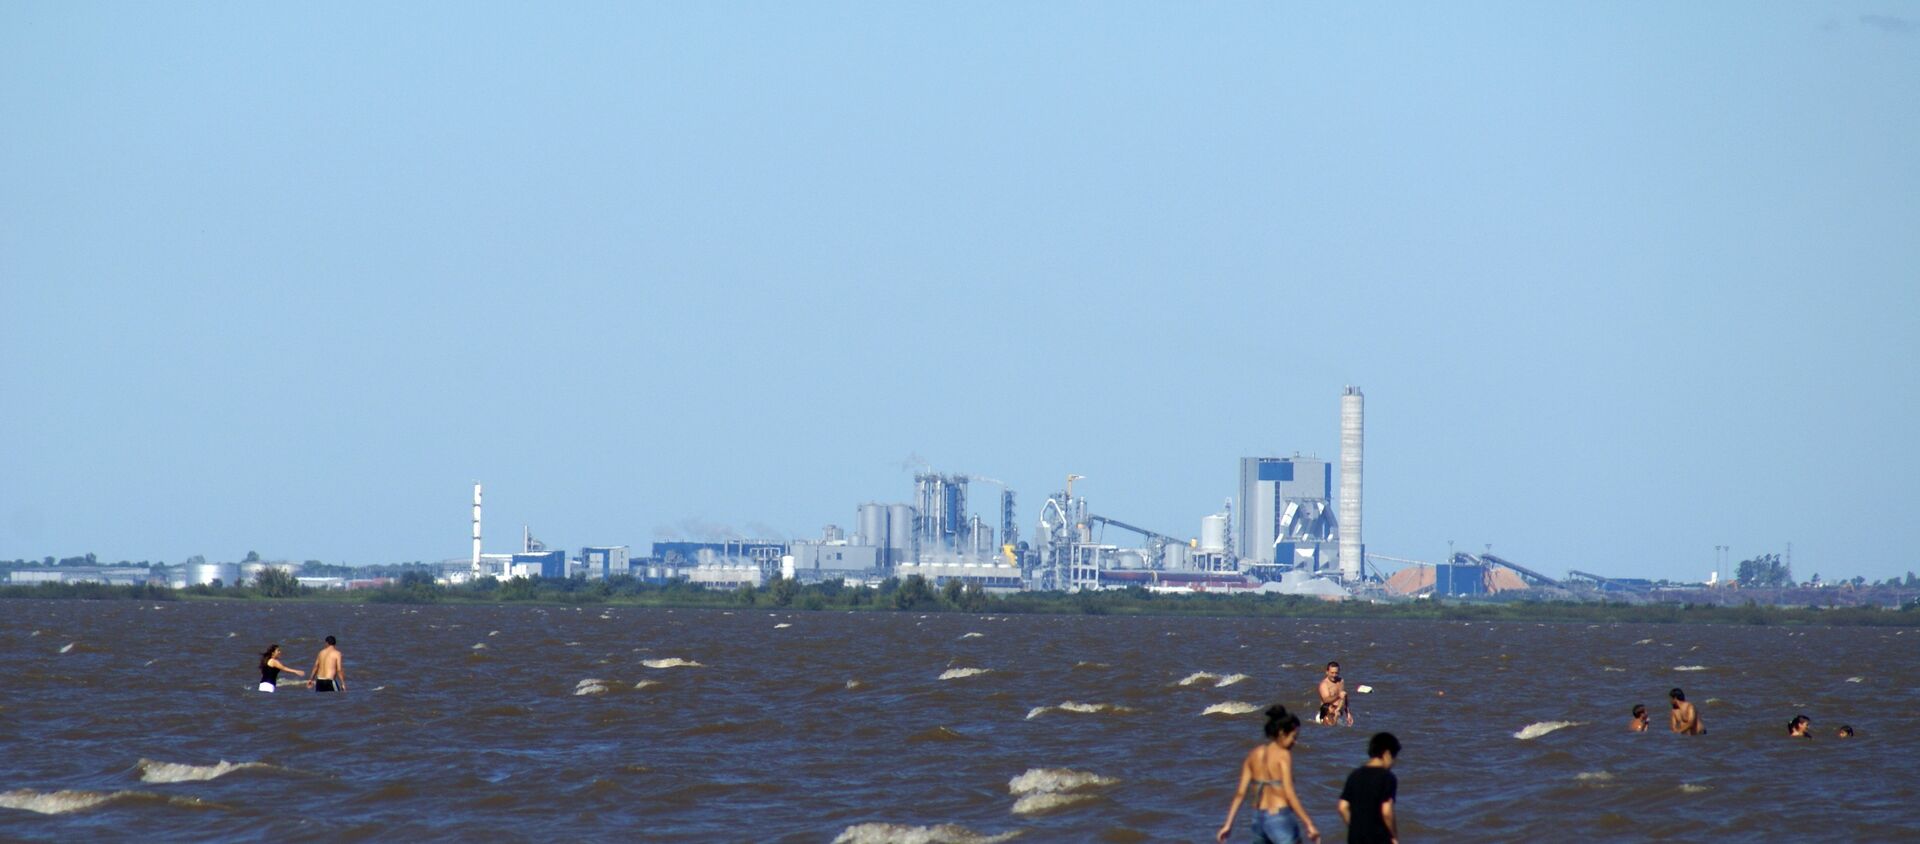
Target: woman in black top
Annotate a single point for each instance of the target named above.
(270, 668)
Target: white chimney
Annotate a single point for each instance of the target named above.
(1352, 417)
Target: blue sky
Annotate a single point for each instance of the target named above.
(1622, 282)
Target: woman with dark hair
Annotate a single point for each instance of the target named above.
(1640, 719)
(270, 668)
(1269, 769)
(1799, 727)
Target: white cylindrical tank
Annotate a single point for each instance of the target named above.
(1129, 559)
(871, 525)
(204, 574)
(1352, 430)
(900, 533)
(1213, 534)
(1176, 557)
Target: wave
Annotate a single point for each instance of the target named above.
(478, 645)
(855, 684)
(1090, 666)
(1593, 776)
(1689, 668)
(671, 662)
(1856, 679)
(1611, 668)
(1693, 788)
(590, 687)
(62, 802)
(1034, 804)
(1230, 680)
(67, 647)
(1055, 780)
(1232, 707)
(937, 734)
(1072, 706)
(493, 633)
(1644, 642)
(1541, 728)
(781, 625)
(1199, 677)
(169, 772)
(890, 833)
(957, 673)
(971, 635)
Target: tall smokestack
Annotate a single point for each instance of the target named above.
(1352, 415)
(476, 528)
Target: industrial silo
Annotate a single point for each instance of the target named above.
(871, 525)
(1176, 557)
(1213, 534)
(204, 574)
(901, 547)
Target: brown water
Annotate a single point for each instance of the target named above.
(840, 726)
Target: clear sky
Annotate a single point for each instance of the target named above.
(1621, 281)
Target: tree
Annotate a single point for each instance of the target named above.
(252, 557)
(276, 583)
(783, 590)
(914, 593)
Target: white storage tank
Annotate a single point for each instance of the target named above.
(204, 574)
(1176, 557)
(871, 526)
(1213, 534)
(900, 543)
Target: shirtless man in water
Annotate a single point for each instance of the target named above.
(329, 673)
(1333, 691)
(1683, 719)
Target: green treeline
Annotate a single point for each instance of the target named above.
(915, 594)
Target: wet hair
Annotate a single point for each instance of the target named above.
(1676, 694)
(1846, 731)
(1798, 720)
(1639, 710)
(1333, 665)
(1280, 723)
(330, 641)
(267, 654)
(1382, 744)
(1326, 713)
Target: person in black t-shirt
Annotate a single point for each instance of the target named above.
(1366, 803)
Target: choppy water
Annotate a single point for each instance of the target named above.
(123, 721)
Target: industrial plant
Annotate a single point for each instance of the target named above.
(1293, 527)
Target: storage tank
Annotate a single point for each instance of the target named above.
(1176, 557)
(250, 572)
(900, 537)
(1213, 534)
(871, 525)
(1129, 559)
(204, 574)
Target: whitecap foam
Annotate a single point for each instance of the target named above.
(1541, 728)
(1644, 642)
(971, 635)
(1611, 668)
(55, 802)
(1034, 804)
(493, 633)
(1689, 668)
(169, 772)
(893, 833)
(1232, 707)
(479, 646)
(957, 673)
(590, 689)
(855, 684)
(1074, 706)
(782, 626)
(67, 647)
(1693, 788)
(1054, 780)
(1199, 677)
(671, 662)
(645, 683)
(1593, 776)
(1856, 679)
(1230, 680)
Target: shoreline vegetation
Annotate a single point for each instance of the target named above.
(914, 594)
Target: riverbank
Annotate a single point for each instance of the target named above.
(915, 595)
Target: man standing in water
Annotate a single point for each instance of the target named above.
(1333, 691)
(329, 673)
(1684, 720)
(1366, 803)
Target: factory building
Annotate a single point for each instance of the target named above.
(547, 564)
(1286, 513)
(602, 562)
(826, 560)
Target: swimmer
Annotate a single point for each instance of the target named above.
(1799, 727)
(1326, 718)
(1640, 719)
(1683, 719)
(1333, 690)
(1269, 769)
(329, 672)
(1366, 803)
(1846, 731)
(270, 668)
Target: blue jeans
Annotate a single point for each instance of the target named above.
(1281, 827)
